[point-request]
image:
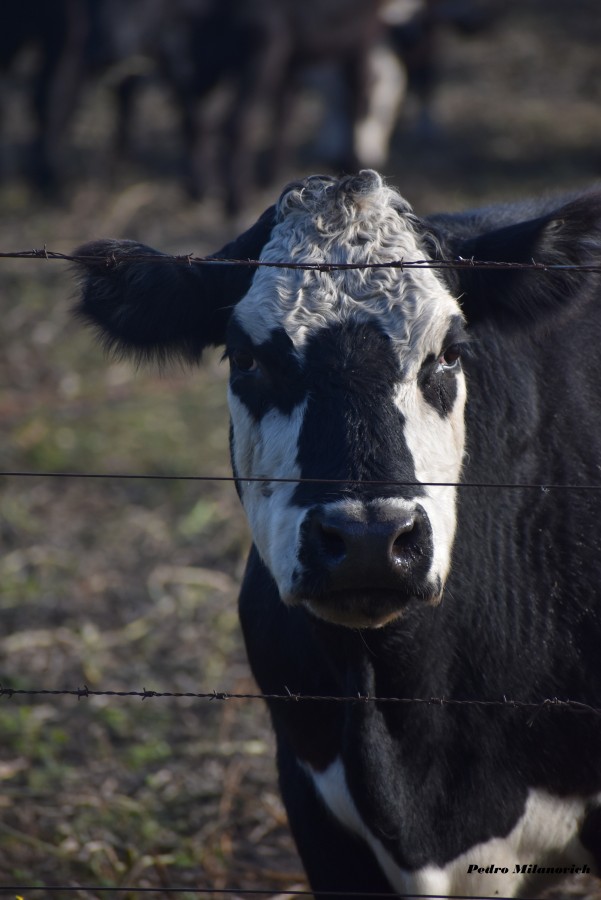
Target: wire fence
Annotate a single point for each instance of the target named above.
(250, 892)
(115, 258)
(534, 709)
(263, 479)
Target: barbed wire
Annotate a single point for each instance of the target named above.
(85, 693)
(115, 258)
(263, 479)
(294, 892)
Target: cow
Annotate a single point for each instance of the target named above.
(416, 553)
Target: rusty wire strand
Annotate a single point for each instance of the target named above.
(263, 479)
(114, 258)
(84, 693)
(294, 892)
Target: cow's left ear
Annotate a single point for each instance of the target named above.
(160, 309)
(568, 236)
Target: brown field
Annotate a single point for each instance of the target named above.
(131, 584)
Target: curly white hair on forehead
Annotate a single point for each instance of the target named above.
(355, 219)
(339, 203)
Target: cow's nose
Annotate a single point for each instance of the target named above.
(375, 548)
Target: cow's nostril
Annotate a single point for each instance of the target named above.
(406, 541)
(333, 545)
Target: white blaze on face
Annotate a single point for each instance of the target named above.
(436, 445)
(318, 221)
(268, 448)
(435, 441)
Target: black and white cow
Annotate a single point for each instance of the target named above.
(412, 587)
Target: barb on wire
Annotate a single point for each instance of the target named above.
(459, 262)
(85, 693)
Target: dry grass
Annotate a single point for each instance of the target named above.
(122, 584)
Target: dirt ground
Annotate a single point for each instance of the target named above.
(131, 584)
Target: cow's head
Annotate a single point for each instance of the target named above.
(352, 375)
(349, 380)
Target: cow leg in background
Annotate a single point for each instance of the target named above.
(192, 92)
(357, 76)
(56, 89)
(196, 161)
(125, 96)
(278, 149)
(256, 82)
(333, 858)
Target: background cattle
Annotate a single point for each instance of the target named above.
(233, 74)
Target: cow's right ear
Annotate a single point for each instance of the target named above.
(565, 242)
(163, 309)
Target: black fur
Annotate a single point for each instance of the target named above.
(275, 382)
(353, 429)
(559, 234)
(167, 309)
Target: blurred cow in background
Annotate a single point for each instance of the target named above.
(194, 46)
(363, 54)
(360, 54)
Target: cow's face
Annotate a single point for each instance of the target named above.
(353, 376)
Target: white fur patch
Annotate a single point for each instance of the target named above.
(262, 449)
(436, 445)
(545, 835)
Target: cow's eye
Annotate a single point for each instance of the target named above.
(243, 361)
(450, 357)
